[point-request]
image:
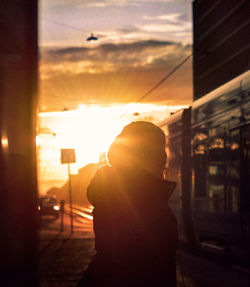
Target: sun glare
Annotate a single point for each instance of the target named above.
(89, 130)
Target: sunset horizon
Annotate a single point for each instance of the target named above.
(107, 82)
(89, 130)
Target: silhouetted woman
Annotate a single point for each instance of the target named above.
(135, 230)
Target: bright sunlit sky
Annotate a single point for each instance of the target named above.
(139, 42)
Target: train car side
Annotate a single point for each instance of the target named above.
(220, 137)
(178, 169)
(208, 147)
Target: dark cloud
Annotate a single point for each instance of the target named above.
(114, 73)
(143, 53)
(78, 53)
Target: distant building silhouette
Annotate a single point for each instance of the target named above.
(79, 184)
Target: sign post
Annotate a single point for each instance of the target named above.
(62, 213)
(68, 156)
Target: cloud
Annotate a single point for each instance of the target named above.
(114, 73)
(107, 3)
(114, 3)
(170, 17)
(174, 25)
(162, 27)
(175, 17)
(67, 22)
(109, 57)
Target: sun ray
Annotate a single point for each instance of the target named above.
(90, 130)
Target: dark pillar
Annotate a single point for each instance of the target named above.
(18, 187)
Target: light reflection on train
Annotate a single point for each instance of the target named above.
(208, 147)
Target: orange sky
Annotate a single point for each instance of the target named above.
(90, 130)
(114, 73)
(139, 42)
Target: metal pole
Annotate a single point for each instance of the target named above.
(62, 213)
(70, 200)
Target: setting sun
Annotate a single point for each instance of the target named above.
(89, 130)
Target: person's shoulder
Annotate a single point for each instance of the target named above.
(102, 172)
(97, 184)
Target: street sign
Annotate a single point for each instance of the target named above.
(68, 155)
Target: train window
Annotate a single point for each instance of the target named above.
(209, 168)
(174, 161)
(216, 131)
(200, 148)
(216, 149)
(239, 170)
(216, 181)
(234, 171)
(175, 154)
(246, 168)
(216, 170)
(235, 151)
(198, 140)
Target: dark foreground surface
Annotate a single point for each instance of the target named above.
(64, 261)
(65, 255)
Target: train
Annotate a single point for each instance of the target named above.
(208, 149)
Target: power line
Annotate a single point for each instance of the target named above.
(156, 85)
(62, 24)
(164, 78)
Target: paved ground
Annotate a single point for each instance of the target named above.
(65, 255)
(201, 272)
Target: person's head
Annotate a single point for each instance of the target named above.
(140, 146)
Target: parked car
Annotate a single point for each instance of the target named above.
(48, 205)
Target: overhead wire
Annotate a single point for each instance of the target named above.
(156, 85)
(165, 78)
(168, 75)
(62, 24)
